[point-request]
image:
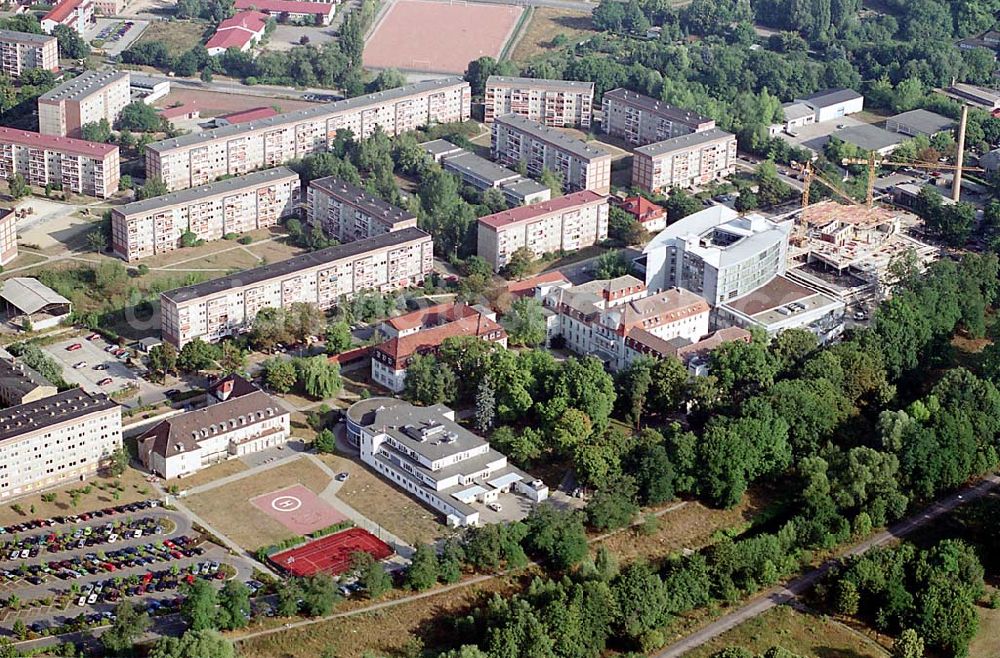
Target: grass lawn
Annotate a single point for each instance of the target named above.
(391, 508)
(545, 25)
(274, 251)
(178, 36)
(986, 644)
(213, 473)
(228, 507)
(132, 482)
(221, 262)
(800, 633)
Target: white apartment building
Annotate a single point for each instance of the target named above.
(8, 236)
(582, 166)
(447, 467)
(59, 439)
(642, 120)
(422, 332)
(566, 223)
(20, 51)
(197, 158)
(717, 254)
(553, 103)
(599, 317)
(87, 98)
(687, 161)
(347, 212)
(83, 167)
(228, 305)
(236, 205)
(231, 427)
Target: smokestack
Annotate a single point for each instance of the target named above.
(956, 186)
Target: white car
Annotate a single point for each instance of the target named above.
(80, 364)
(137, 533)
(25, 554)
(92, 599)
(496, 507)
(82, 600)
(112, 539)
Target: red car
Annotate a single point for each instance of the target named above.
(93, 336)
(74, 347)
(105, 381)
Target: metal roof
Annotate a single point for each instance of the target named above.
(868, 137)
(829, 97)
(922, 122)
(684, 142)
(291, 118)
(83, 85)
(29, 295)
(293, 265)
(34, 416)
(207, 191)
(479, 167)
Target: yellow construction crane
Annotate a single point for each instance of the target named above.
(874, 163)
(809, 174)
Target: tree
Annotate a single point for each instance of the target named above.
(429, 381)
(139, 117)
(234, 605)
(197, 355)
(557, 536)
(194, 644)
(450, 562)
(280, 374)
(163, 359)
(304, 320)
(18, 186)
(372, 576)
(325, 442)
(96, 131)
(118, 462)
(423, 571)
(746, 201)
(232, 358)
(680, 204)
(525, 323)
(908, 645)
(613, 506)
(198, 607)
(486, 405)
(338, 337)
(611, 264)
(153, 187)
(552, 180)
(71, 44)
(319, 376)
(270, 328)
(128, 626)
(519, 263)
(97, 240)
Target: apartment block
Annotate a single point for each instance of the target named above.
(56, 440)
(197, 158)
(8, 236)
(688, 161)
(228, 305)
(642, 120)
(598, 317)
(566, 223)
(236, 205)
(87, 98)
(554, 103)
(582, 166)
(20, 51)
(79, 166)
(347, 212)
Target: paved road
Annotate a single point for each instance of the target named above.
(266, 91)
(783, 594)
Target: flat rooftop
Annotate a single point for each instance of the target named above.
(560, 140)
(25, 37)
(207, 191)
(59, 408)
(684, 142)
(868, 137)
(541, 209)
(307, 113)
(359, 198)
(480, 168)
(657, 107)
(293, 265)
(541, 83)
(83, 85)
(922, 121)
(770, 304)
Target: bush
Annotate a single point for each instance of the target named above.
(230, 236)
(246, 239)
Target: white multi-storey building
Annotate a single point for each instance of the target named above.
(566, 223)
(20, 51)
(198, 158)
(641, 120)
(447, 467)
(598, 318)
(231, 426)
(82, 167)
(554, 103)
(228, 305)
(59, 439)
(87, 98)
(347, 212)
(8, 236)
(581, 165)
(153, 226)
(687, 161)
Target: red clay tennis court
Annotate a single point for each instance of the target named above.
(298, 509)
(331, 554)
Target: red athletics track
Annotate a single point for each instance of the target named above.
(331, 554)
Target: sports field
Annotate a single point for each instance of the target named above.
(331, 554)
(439, 37)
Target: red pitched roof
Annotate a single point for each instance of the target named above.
(62, 11)
(286, 6)
(238, 31)
(179, 111)
(642, 208)
(254, 21)
(527, 286)
(540, 209)
(401, 349)
(432, 315)
(55, 143)
(253, 114)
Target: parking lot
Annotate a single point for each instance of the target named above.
(91, 365)
(816, 135)
(117, 35)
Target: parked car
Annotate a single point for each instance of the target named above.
(80, 364)
(105, 381)
(74, 347)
